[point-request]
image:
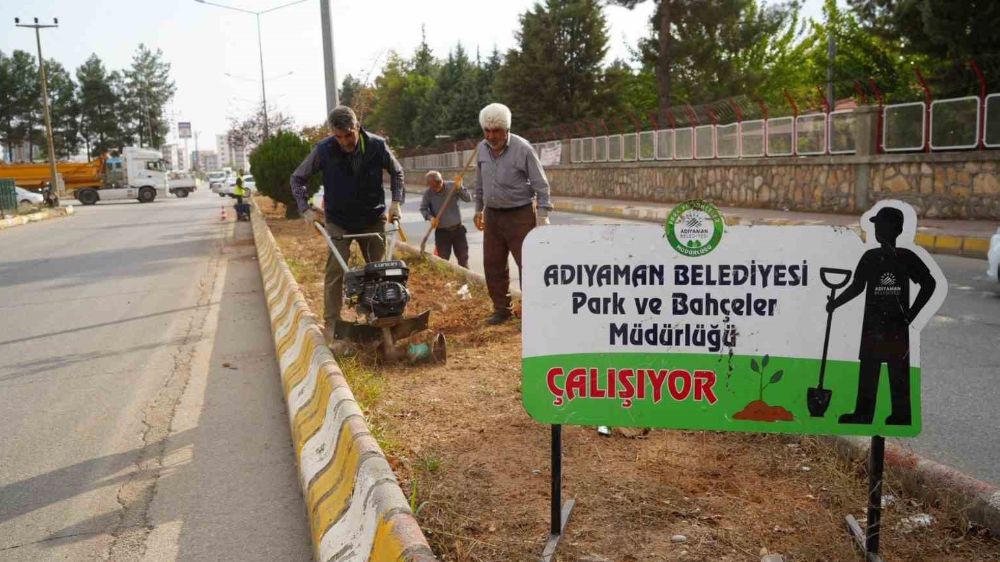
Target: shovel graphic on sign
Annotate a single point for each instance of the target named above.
(818, 398)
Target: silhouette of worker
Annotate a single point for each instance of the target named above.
(885, 274)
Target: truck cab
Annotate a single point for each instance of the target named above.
(138, 173)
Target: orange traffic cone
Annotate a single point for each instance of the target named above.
(224, 213)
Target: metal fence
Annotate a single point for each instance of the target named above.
(950, 124)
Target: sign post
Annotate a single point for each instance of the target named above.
(184, 132)
(696, 325)
(559, 513)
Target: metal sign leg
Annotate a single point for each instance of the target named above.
(559, 513)
(868, 540)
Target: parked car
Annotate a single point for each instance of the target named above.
(993, 257)
(249, 183)
(27, 198)
(216, 182)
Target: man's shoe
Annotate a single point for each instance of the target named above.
(856, 418)
(499, 317)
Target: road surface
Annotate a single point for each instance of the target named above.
(141, 415)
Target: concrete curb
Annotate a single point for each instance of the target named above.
(930, 481)
(967, 246)
(470, 275)
(356, 508)
(35, 217)
(921, 478)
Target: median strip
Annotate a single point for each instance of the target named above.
(356, 508)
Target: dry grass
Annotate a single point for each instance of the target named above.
(476, 467)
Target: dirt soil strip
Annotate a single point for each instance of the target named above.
(475, 467)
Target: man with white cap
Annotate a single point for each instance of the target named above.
(510, 183)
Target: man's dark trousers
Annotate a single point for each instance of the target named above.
(446, 239)
(504, 234)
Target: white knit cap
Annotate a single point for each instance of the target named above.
(495, 116)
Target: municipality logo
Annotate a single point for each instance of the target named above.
(694, 228)
(887, 286)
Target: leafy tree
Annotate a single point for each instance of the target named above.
(249, 131)
(273, 163)
(946, 32)
(711, 49)
(628, 92)
(315, 133)
(554, 73)
(860, 55)
(400, 94)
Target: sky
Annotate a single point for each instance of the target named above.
(213, 52)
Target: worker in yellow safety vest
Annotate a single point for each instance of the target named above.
(242, 210)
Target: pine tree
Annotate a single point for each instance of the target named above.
(64, 110)
(554, 73)
(148, 89)
(349, 89)
(20, 103)
(99, 120)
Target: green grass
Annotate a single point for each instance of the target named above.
(429, 464)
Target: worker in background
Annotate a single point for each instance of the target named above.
(351, 161)
(449, 232)
(239, 191)
(510, 183)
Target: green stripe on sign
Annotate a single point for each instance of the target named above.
(704, 391)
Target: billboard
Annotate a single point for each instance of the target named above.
(184, 129)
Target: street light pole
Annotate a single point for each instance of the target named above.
(53, 185)
(329, 63)
(263, 92)
(260, 47)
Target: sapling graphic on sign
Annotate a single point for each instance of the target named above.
(759, 410)
(753, 328)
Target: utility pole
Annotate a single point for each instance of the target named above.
(329, 64)
(196, 161)
(54, 184)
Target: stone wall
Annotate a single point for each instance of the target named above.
(957, 188)
(955, 185)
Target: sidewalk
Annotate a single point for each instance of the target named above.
(969, 238)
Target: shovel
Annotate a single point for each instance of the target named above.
(818, 399)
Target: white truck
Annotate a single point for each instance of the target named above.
(137, 174)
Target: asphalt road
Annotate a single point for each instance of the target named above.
(960, 353)
(140, 410)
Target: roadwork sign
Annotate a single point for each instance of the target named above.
(697, 325)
